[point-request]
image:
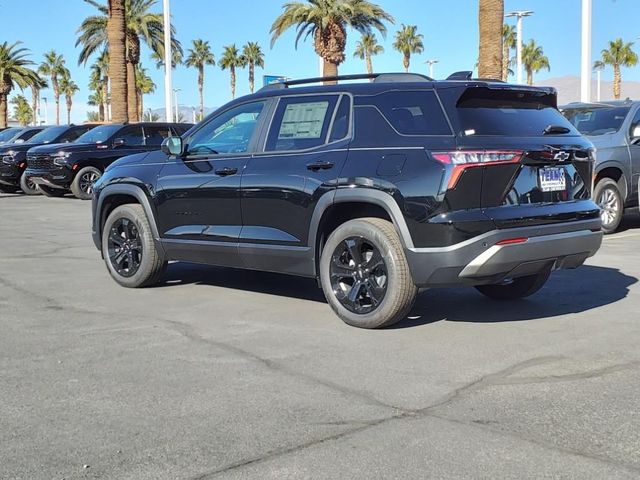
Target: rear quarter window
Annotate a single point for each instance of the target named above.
(413, 112)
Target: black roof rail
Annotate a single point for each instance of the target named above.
(462, 75)
(377, 77)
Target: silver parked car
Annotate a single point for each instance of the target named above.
(614, 129)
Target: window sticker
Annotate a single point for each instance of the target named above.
(303, 120)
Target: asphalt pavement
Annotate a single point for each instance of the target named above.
(219, 373)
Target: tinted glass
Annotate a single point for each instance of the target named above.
(340, 127)
(300, 123)
(132, 136)
(153, 136)
(47, 135)
(74, 133)
(598, 120)
(26, 135)
(229, 132)
(483, 111)
(413, 113)
(8, 134)
(99, 134)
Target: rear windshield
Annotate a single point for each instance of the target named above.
(483, 111)
(597, 120)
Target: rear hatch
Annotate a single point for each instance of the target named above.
(518, 159)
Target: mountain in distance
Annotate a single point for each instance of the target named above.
(569, 89)
(186, 111)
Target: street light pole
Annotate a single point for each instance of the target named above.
(175, 93)
(519, 16)
(598, 72)
(431, 63)
(585, 74)
(46, 111)
(167, 61)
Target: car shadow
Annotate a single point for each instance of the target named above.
(629, 221)
(567, 291)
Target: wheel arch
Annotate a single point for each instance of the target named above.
(614, 172)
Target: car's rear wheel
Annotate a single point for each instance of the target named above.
(52, 192)
(609, 199)
(516, 288)
(82, 185)
(365, 275)
(28, 187)
(128, 248)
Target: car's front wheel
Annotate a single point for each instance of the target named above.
(365, 275)
(609, 199)
(516, 288)
(128, 248)
(82, 185)
(28, 187)
(52, 192)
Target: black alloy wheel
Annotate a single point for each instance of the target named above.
(124, 247)
(358, 275)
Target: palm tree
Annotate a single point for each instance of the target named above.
(14, 70)
(68, 88)
(116, 43)
(509, 38)
(408, 41)
(366, 48)
(158, 59)
(254, 57)
(144, 86)
(53, 67)
(141, 26)
(100, 78)
(96, 100)
(36, 85)
(490, 19)
(199, 56)
(22, 110)
(619, 54)
(533, 59)
(327, 22)
(231, 59)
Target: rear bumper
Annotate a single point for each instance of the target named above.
(481, 260)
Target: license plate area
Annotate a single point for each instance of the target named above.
(552, 179)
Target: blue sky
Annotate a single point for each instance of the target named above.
(449, 27)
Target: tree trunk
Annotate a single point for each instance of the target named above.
(105, 99)
(140, 98)
(406, 61)
(490, 18)
(69, 106)
(617, 81)
(367, 57)
(251, 76)
(101, 112)
(116, 33)
(505, 61)
(529, 76)
(132, 96)
(201, 89)
(3, 111)
(56, 96)
(35, 93)
(329, 69)
(232, 70)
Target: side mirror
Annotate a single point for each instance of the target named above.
(119, 142)
(635, 133)
(172, 146)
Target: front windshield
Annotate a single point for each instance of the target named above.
(596, 121)
(99, 134)
(47, 135)
(8, 134)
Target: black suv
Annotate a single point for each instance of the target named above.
(18, 134)
(58, 168)
(374, 188)
(13, 156)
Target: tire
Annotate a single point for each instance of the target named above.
(381, 274)
(52, 192)
(608, 197)
(8, 189)
(140, 264)
(82, 185)
(28, 187)
(518, 288)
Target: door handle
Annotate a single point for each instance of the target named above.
(223, 172)
(319, 166)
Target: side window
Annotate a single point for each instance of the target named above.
(132, 136)
(154, 135)
(414, 113)
(230, 132)
(74, 133)
(340, 127)
(300, 123)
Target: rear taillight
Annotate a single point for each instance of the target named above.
(463, 159)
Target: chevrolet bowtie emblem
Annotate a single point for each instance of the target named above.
(562, 156)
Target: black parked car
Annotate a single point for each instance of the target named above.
(374, 188)
(18, 134)
(58, 168)
(13, 156)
